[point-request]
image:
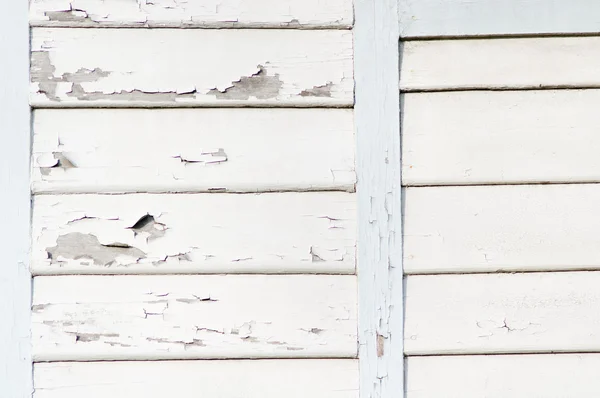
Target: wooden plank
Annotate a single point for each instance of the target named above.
(89, 318)
(524, 63)
(198, 67)
(500, 376)
(507, 228)
(502, 313)
(323, 378)
(204, 233)
(507, 137)
(435, 18)
(379, 197)
(296, 14)
(15, 280)
(192, 150)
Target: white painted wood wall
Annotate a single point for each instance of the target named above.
(501, 174)
(205, 244)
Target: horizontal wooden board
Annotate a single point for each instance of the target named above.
(501, 376)
(475, 137)
(88, 318)
(508, 228)
(192, 150)
(502, 313)
(307, 14)
(197, 67)
(434, 18)
(521, 63)
(323, 378)
(202, 233)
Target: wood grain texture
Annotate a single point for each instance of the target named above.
(328, 378)
(88, 318)
(508, 228)
(379, 197)
(198, 67)
(203, 233)
(524, 63)
(192, 150)
(500, 138)
(296, 14)
(500, 376)
(15, 280)
(435, 18)
(502, 313)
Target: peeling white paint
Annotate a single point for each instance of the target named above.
(192, 150)
(329, 378)
(117, 67)
(205, 233)
(187, 317)
(297, 14)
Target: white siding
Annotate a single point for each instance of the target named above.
(475, 137)
(509, 228)
(524, 63)
(191, 379)
(501, 376)
(234, 150)
(503, 313)
(191, 67)
(295, 14)
(205, 233)
(159, 234)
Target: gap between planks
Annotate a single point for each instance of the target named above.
(493, 89)
(216, 25)
(488, 36)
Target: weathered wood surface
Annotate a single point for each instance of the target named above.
(15, 280)
(192, 150)
(500, 138)
(197, 67)
(189, 317)
(323, 378)
(509, 228)
(379, 198)
(524, 63)
(502, 313)
(202, 233)
(297, 14)
(434, 18)
(501, 376)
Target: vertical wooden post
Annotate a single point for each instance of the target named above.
(377, 110)
(15, 280)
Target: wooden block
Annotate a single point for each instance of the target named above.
(501, 228)
(192, 150)
(202, 233)
(190, 67)
(501, 376)
(500, 64)
(90, 318)
(509, 137)
(296, 14)
(502, 313)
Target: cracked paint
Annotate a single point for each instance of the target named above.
(212, 316)
(296, 14)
